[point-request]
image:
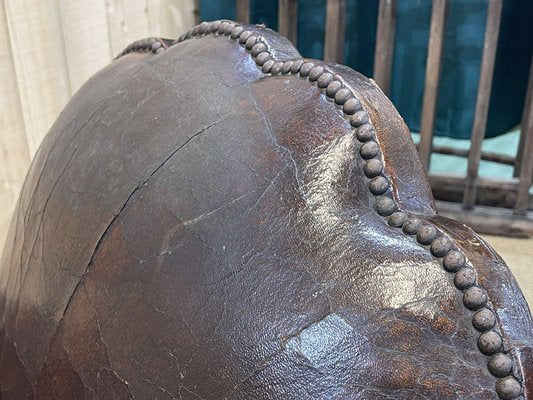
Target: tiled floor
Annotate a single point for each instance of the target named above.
(518, 254)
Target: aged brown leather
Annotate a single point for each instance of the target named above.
(195, 228)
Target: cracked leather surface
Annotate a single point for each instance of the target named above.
(192, 229)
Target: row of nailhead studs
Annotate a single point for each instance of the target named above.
(333, 86)
(351, 106)
(144, 46)
(474, 297)
(205, 28)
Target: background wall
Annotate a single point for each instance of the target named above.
(48, 49)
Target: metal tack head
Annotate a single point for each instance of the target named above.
(351, 106)
(384, 205)
(258, 48)
(333, 88)
(250, 42)
(267, 66)
(369, 149)
(378, 185)
(204, 27)
(262, 58)
(342, 96)
(426, 234)
(208, 28)
(229, 28)
(411, 226)
(365, 132)
(500, 365)
(464, 278)
(397, 219)
(359, 118)
(276, 68)
(489, 342)
(325, 79)
(474, 298)
(213, 26)
(222, 27)
(243, 36)
(453, 261)
(236, 32)
(306, 68)
(441, 246)
(315, 73)
(483, 319)
(373, 168)
(286, 67)
(295, 67)
(508, 388)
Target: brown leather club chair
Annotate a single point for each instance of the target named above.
(218, 218)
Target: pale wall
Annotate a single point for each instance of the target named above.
(48, 49)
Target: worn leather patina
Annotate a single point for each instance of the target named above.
(207, 221)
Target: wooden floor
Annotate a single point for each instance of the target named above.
(518, 254)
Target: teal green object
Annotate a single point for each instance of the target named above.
(261, 11)
(461, 64)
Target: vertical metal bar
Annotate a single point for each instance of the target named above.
(196, 12)
(521, 143)
(288, 19)
(526, 166)
(482, 101)
(243, 11)
(334, 39)
(431, 85)
(385, 44)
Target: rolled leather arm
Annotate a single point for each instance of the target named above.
(218, 218)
